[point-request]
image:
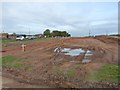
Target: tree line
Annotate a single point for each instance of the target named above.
(55, 33)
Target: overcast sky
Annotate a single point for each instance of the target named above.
(75, 18)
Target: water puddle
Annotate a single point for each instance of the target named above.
(65, 50)
(88, 53)
(86, 61)
(87, 57)
(69, 51)
(58, 49)
(76, 52)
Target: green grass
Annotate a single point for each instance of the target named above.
(57, 70)
(77, 66)
(11, 61)
(66, 72)
(5, 41)
(42, 39)
(69, 73)
(108, 72)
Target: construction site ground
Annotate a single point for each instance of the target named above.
(41, 67)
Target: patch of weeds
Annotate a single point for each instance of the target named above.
(57, 70)
(77, 66)
(5, 41)
(11, 61)
(108, 72)
(18, 65)
(69, 72)
(8, 58)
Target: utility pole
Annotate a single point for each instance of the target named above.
(29, 31)
(106, 32)
(89, 33)
(89, 28)
(2, 29)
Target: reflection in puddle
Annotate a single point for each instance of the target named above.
(72, 52)
(76, 52)
(69, 51)
(86, 61)
(87, 57)
(65, 50)
(88, 51)
(88, 54)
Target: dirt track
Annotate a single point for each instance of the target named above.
(40, 55)
(11, 83)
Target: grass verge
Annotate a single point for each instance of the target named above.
(5, 41)
(11, 61)
(107, 73)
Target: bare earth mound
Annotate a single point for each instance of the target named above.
(40, 65)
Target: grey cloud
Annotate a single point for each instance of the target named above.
(66, 16)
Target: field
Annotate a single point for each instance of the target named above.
(40, 66)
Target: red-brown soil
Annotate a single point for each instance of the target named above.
(40, 56)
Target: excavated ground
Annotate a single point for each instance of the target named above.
(46, 67)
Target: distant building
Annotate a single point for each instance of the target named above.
(39, 35)
(4, 35)
(12, 36)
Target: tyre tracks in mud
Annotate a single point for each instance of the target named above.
(11, 82)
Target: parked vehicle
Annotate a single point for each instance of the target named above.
(20, 38)
(30, 37)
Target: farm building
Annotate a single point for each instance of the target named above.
(4, 35)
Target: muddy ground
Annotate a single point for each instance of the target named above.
(45, 64)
